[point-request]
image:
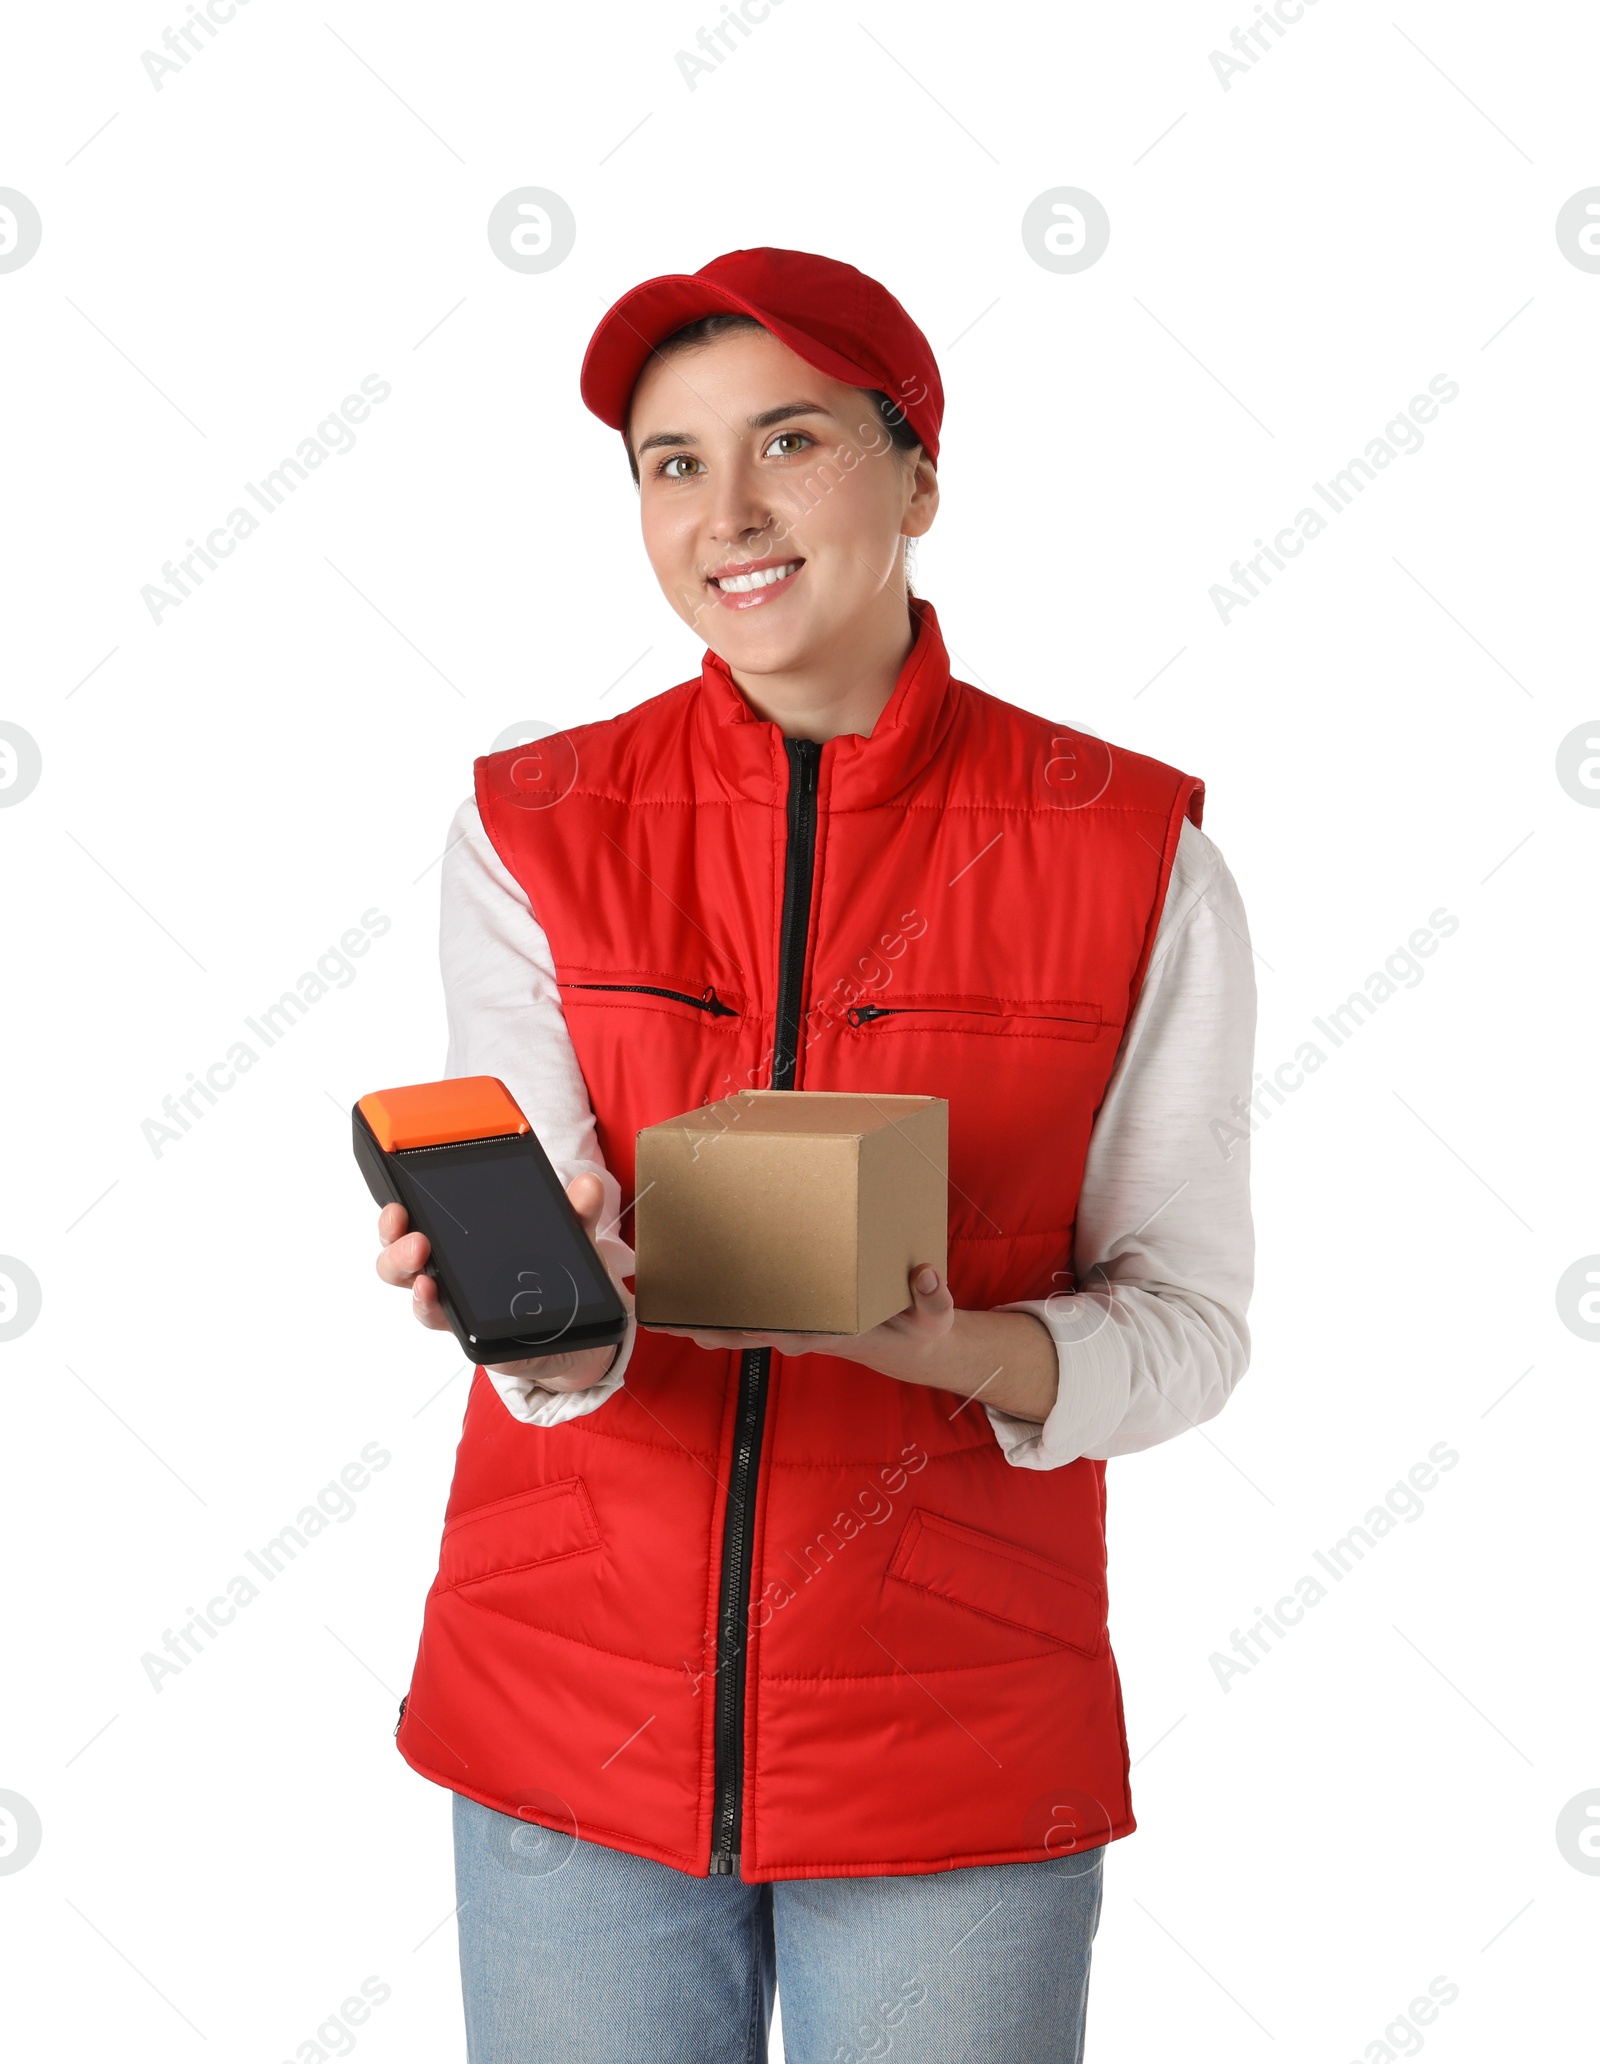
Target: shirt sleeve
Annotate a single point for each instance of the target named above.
(1154, 1339)
(503, 1010)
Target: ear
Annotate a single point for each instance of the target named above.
(922, 498)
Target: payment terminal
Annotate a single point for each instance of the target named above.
(518, 1276)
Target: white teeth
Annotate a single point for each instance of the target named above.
(745, 583)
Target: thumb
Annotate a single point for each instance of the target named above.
(586, 1194)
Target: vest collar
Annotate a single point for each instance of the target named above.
(743, 752)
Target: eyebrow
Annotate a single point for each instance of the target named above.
(784, 412)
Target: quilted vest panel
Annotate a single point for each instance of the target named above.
(780, 1615)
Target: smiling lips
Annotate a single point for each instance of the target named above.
(747, 584)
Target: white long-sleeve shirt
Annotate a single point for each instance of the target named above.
(1154, 1339)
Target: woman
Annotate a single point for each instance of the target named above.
(756, 1656)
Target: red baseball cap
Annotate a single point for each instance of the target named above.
(828, 313)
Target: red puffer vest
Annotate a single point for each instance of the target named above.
(796, 1620)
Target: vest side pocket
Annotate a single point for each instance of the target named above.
(1000, 1579)
(546, 1524)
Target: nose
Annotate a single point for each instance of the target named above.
(740, 510)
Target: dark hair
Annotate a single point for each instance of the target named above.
(709, 327)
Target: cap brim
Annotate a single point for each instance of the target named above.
(630, 331)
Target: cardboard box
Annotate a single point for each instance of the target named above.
(789, 1210)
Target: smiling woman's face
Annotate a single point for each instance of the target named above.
(773, 502)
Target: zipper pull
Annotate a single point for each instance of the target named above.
(724, 1865)
(807, 754)
(863, 1014)
(402, 1715)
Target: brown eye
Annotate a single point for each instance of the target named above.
(677, 459)
(793, 441)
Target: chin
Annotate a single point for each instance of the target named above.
(760, 648)
(764, 653)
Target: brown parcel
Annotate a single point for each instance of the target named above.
(789, 1210)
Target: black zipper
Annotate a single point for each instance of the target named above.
(733, 1617)
(402, 1715)
(710, 1001)
(864, 1013)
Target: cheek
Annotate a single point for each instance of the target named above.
(662, 530)
(669, 543)
(854, 515)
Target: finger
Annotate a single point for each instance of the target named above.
(720, 1336)
(930, 1293)
(559, 1373)
(401, 1261)
(392, 1222)
(586, 1194)
(427, 1306)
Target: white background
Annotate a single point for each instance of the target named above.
(1292, 258)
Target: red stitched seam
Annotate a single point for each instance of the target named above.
(1000, 1619)
(872, 1461)
(892, 1676)
(1045, 1233)
(930, 999)
(665, 802)
(576, 1641)
(942, 809)
(565, 1486)
(658, 1003)
(511, 1569)
(983, 1032)
(1125, 1826)
(665, 979)
(982, 1542)
(594, 1432)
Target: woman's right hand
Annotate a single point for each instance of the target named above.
(402, 1261)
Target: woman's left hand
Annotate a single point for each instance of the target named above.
(897, 1347)
(1006, 1358)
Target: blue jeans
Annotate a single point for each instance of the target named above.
(574, 1952)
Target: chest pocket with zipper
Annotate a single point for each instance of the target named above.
(1014, 1073)
(651, 991)
(671, 1026)
(980, 1016)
